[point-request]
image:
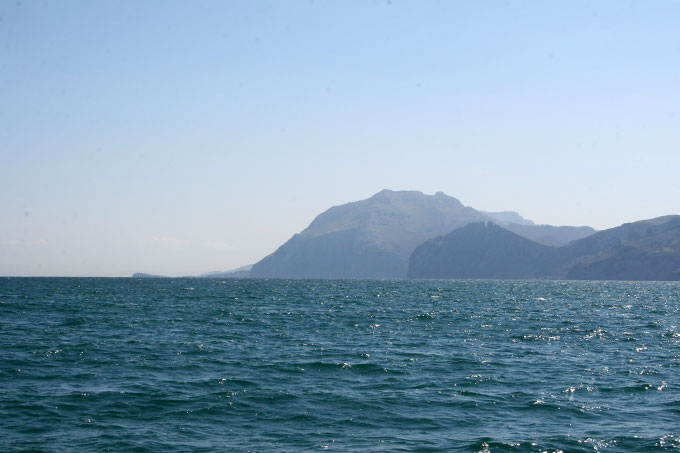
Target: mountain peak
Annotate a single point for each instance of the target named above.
(374, 237)
(370, 238)
(387, 193)
(508, 217)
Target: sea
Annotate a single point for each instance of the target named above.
(108, 364)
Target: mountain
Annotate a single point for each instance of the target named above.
(371, 238)
(478, 250)
(504, 217)
(374, 238)
(548, 234)
(543, 234)
(644, 250)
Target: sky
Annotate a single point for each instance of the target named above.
(182, 137)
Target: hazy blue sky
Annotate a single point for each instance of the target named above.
(186, 137)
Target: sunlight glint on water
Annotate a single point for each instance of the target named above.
(278, 365)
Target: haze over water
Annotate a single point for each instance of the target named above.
(206, 134)
(344, 365)
(179, 138)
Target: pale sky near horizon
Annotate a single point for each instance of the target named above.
(181, 137)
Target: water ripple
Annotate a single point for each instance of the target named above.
(291, 365)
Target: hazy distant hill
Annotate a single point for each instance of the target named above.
(549, 234)
(241, 272)
(644, 250)
(374, 238)
(144, 275)
(543, 234)
(371, 238)
(507, 217)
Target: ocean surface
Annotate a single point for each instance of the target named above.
(94, 364)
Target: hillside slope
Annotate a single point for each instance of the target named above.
(644, 250)
(371, 238)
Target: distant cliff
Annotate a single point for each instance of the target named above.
(374, 238)
(644, 250)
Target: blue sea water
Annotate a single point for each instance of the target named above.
(346, 365)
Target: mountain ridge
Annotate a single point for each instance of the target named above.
(374, 237)
(370, 238)
(642, 250)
